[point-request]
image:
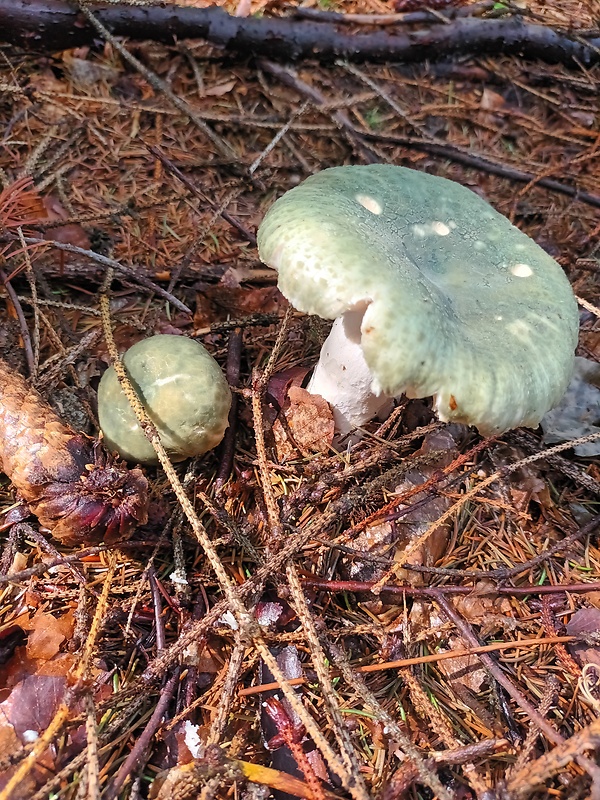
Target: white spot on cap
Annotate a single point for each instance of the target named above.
(369, 203)
(521, 271)
(436, 227)
(169, 379)
(30, 736)
(440, 228)
(519, 328)
(499, 318)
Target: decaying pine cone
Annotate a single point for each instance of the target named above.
(75, 490)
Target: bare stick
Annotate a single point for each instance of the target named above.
(285, 39)
(134, 760)
(133, 273)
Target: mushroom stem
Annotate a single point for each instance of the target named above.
(343, 378)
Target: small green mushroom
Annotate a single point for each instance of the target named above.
(183, 390)
(433, 293)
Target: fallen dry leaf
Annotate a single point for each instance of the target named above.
(310, 422)
(491, 101)
(578, 413)
(585, 621)
(389, 539)
(24, 715)
(66, 234)
(466, 670)
(220, 89)
(48, 633)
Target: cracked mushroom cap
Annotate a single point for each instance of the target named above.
(183, 390)
(458, 303)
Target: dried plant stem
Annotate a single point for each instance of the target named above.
(259, 384)
(588, 306)
(159, 624)
(219, 209)
(426, 774)
(319, 662)
(278, 137)
(93, 770)
(402, 590)
(34, 302)
(49, 548)
(430, 659)
(79, 674)
(510, 468)
(24, 328)
(550, 692)
(247, 624)
(134, 274)
(39, 569)
(364, 78)
(523, 782)
(119, 721)
(234, 356)
(440, 724)
(298, 599)
(467, 634)
(341, 119)
(134, 760)
(351, 769)
(217, 726)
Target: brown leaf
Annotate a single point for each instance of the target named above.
(585, 621)
(66, 234)
(466, 670)
(32, 704)
(48, 633)
(491, 101)
(310, 422)
(220, 89)
(24, 715)
(387, 540)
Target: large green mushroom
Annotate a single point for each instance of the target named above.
(183, 390)
(433, 293)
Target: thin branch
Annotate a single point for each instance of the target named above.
(430, 659)
(21, 22)
(134, 274)
(135, 759)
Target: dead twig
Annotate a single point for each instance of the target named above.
(135, 760)
(286, 39)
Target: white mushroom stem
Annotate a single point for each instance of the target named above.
(343, 378)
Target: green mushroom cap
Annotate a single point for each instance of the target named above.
(183, 390)
(459, 303)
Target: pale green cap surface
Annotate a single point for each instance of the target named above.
(460, 304)
(184, 391)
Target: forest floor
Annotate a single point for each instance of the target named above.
(400, 698)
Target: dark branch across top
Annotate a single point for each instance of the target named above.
(56, 25)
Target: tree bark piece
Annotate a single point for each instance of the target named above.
(76, 491)
(56, 25)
